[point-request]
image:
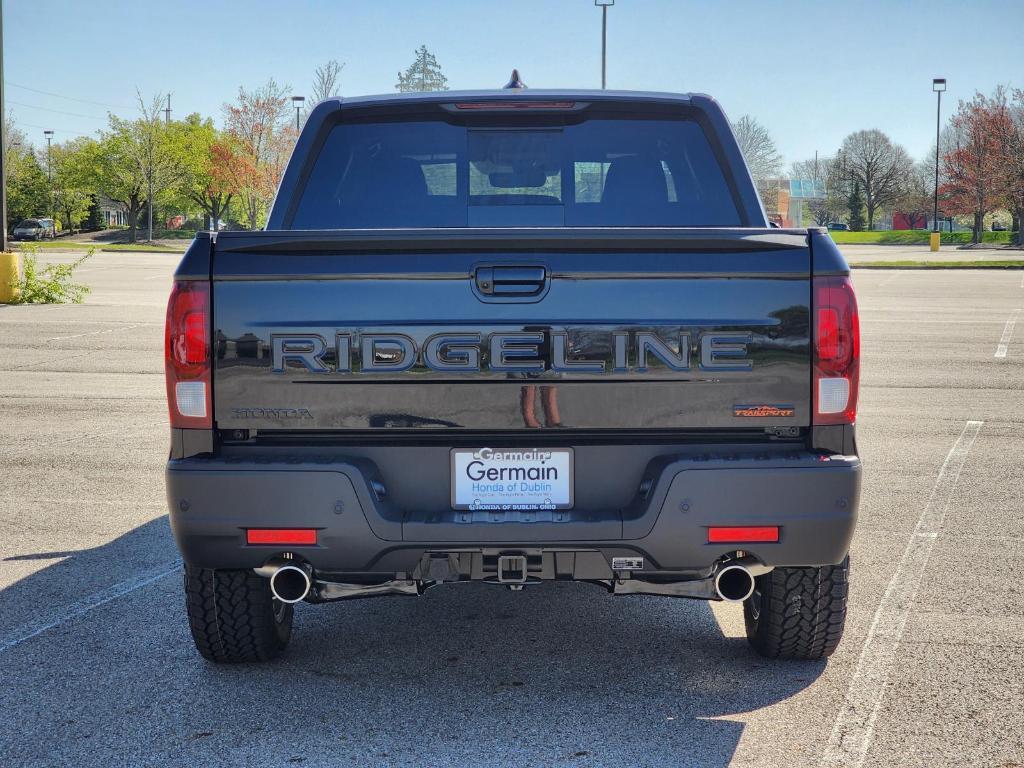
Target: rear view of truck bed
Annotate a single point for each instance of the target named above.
(511, 338)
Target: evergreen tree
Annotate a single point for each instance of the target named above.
(424, 74)
(855, 204)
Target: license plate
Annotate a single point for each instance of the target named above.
(506, 479)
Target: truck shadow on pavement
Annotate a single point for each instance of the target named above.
(469, 674)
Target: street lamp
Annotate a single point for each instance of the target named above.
(938, 85)
(603, 4)
(297, 102)
(49, 173)
(49, 137)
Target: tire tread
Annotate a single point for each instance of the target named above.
(802, 611)
(231, 616)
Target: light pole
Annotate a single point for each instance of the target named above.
(49, 172)
(297, 102)
(938, 85)
(3, 144)
(603, 4)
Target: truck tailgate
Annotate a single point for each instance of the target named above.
(504, 331)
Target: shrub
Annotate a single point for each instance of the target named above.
(914, 237)
(49, 284)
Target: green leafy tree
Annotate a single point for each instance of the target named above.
(27, 189)
(855, 206)
(140, 160)
(73, 180)
(424, 74)
(201, 183)
(116, 174)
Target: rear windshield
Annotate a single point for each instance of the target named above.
(602, 172)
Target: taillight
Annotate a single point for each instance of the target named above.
(836, 351)
(187, 359)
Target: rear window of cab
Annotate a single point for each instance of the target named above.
(600, 172)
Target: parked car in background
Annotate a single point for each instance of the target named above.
(838, 226)
(35, 229)
(998, 226)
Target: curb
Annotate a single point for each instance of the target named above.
(911, 267)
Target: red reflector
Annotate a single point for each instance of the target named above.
(742, 533)
(280, 536)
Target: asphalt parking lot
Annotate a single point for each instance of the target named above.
(97, 666)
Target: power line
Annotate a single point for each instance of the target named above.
(56, 111)
(20, 124)
(69, 98)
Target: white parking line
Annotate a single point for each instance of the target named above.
(100, 333)
(95, 600)
(854, 728)
(1004, 341)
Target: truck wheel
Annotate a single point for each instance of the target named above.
(234, 617)
(798, 613)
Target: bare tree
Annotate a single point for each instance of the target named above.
(824, 209)
(918, 193)
(813, 169)
(325, 81)
(880, 168)
(763, 158)
(1015, 164)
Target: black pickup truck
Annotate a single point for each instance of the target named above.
(514, 337)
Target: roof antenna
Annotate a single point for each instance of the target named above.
(515, 82)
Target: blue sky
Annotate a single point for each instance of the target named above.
(810, 71)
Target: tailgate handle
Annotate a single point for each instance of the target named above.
(510, 281)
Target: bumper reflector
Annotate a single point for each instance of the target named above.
(280, 536)
(742, 534)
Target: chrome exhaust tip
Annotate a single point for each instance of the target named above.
(734, 583)
(291, 583)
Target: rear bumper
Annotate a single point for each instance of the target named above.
(813, 498)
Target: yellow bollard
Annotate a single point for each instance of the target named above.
(10, 273)
(935, 238)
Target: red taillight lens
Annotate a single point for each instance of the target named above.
(187, 356)
(836, 335)
(828, 333)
